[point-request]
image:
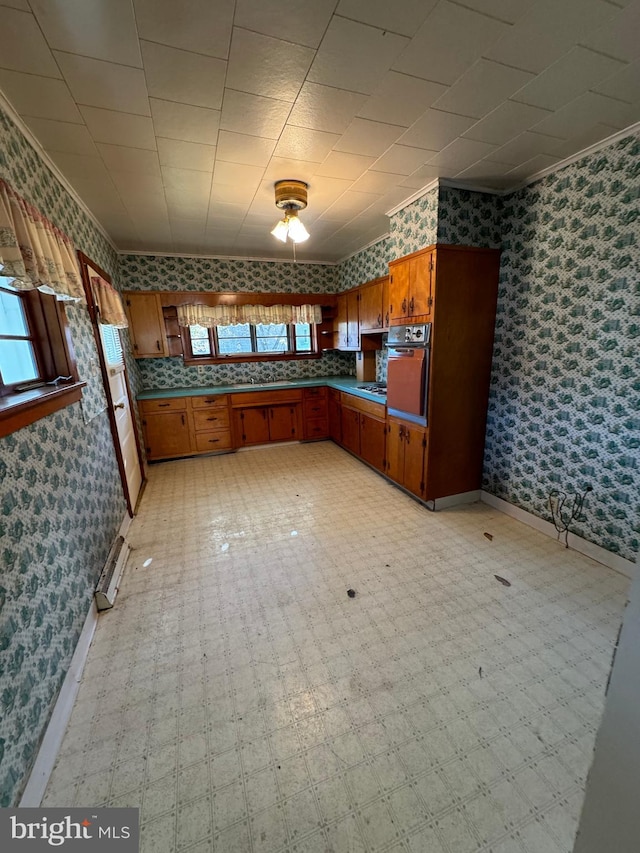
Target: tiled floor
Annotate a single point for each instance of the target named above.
(246, 703)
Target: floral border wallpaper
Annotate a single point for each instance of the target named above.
(56, 528)
(565, 391)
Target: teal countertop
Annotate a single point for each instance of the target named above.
(340, 383)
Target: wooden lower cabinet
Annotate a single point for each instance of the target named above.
(166, 434)
(405, 454)
(363, 428)
(183, 426)
(334, 411)
(316, 420)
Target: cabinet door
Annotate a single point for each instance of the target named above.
(335, 418)
(341, 321)
(166, 435)
(351, 430)
(372, 440)
(420, 285)
(413, 477)
(283, 423)
(385, 303)
(353, 331)
(252, 426)
(371, 316)
(395, 451)
(399, 291)
(146, 325)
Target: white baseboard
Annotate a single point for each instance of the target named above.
(589, 549)
(52, 740)
(455, 500)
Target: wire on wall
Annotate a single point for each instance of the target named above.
(563, 519)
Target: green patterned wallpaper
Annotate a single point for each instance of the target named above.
(564, 410)
(56, 527)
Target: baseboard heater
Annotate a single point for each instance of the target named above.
(109, 582)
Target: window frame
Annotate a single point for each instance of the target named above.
(55, 356)
(215, 357)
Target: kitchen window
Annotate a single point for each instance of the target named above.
(248, 341)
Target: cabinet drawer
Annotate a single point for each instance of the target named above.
(168, 404)
(211, 419)
(210, 441)
(265, 398)
(315, 409)
(378, 410)
(319, 393)
(316, 428)
(213, 401)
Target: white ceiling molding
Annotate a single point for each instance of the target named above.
(297, 261)
(364, 248)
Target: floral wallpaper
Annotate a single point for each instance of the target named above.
(565, 390)
(415, 226)
(366, 265)
(56, 528)
(156, 272)
(468, 218)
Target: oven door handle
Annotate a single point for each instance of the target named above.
(402, 350)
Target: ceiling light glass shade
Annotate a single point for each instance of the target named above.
(292, 228)
(281, 230)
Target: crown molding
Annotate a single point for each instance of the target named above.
(414, 197)
(123, 252)
(364, 248)
(6, 106)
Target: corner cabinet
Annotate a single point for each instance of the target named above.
(146, 325)
(411, 288)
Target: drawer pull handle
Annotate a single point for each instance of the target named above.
(163, 405)
(158, 346)
(212, 419)
(213, 440)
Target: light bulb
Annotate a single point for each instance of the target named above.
(281, 230)
(297, 232)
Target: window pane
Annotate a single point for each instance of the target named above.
(111, 344)
(200, 340)
(17, 362)
(303, 337)
(12, 316)
(198, 332)
(272, 337)
(234, 339)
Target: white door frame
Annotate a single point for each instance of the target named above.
(87, 265)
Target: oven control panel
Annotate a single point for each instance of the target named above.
(417, 334)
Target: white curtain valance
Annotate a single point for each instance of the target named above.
(33, 252)
(109, 302)
(231, 315)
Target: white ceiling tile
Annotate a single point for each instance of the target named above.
(232, 194)
(351, 203)
(625, 85)
(548, 30)
(323, 193)
(145, 206)
(435, 130)
(18, 4)
(377, 182)
(91, 28)
(505, 122)
(181, 121)
(506, 10)
(524, 147)
(355, 56)
(186, 155)
(401, 99)
(41, 97)
(342, 165)
(325, 108)
(484, 86)
(423, 176)
(197, 25)
(449, 41)
(596, 133)
(253, 114)
(280, 168)
(618, 36)
(187, 182)
(104, 84)
(532, 167)
(586, 111)
(119, 128)
(401, 160)
(370, 138)
(22, 46)
(274, 18)
(184, 205)
(236, 174)
(62, 136)
(267, 66)
(80, 166)
(461, 153)
(301, 143)
(240, 148)
(402, 16)
(574, 73)
(178, 75)
(484, 172)
(231, 213)
(123, 159)
(138, 184)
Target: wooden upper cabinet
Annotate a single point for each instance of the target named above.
(372, 309)
(411, 288)
(347, 321)
(146, 325)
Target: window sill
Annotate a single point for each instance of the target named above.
(20, 410)
(258, 356)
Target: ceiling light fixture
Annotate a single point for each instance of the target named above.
(291, 196)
